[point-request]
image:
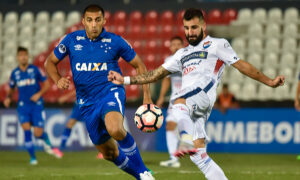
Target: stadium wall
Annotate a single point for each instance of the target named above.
(243, 130)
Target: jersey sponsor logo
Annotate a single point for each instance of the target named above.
(30, 70)
(106, 40)
(111, 89)
(80, 101)
(194, 55)
(25, 82)
(78, 47)
(226, 45)
(91, 67)
(78, 38)
(111, 103)
(206, 44)
(188, 70)
(62, 48)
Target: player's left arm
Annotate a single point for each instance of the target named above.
(296, 102)
(250, 71)
(140, 69)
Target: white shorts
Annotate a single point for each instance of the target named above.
(199, 106)
(170, 116)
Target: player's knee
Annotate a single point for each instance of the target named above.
(171, 126)
(38, 133)
(71, 123)
(118, 133)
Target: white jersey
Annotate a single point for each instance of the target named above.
(203, 64)
(175, 80)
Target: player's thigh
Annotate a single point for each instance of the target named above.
(38, 116)
(24, 117)
(109, 149)
(114, 121)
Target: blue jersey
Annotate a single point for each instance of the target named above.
(27, 83)
(91, 61)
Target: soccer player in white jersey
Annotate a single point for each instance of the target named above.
(201, 64)
(175, 81)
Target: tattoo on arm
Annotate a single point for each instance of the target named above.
(150, 76)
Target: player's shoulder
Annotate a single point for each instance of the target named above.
(16, 71)
(215, 40)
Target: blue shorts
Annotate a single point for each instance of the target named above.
(93, 115)
(34, 114)
(76, 113)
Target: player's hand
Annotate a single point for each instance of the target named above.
(63, 83)
(115, 77)
(297, 105)
(35, 97)
(160, 102)
(278, 81)
(7, 102)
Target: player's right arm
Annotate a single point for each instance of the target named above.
(51, 69)
(165, 84)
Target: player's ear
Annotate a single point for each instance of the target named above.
(82, 20)
(104, 21)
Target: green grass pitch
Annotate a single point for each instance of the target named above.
(84, 165)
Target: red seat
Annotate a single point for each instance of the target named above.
(120, 18)
(132, 92)
(151, 18)
(166, 46)
(135, 32)
(215, 17)
(167, 31)
(179, 18)
(120, 30)
(52, 94)
(53, 44)
(167, 18)
(229, 15)
(107, 16)
(150, 61)
(40, 59)
(152, 47)
(137, 46)
(151, 32)
(136, 18)
(75, 27)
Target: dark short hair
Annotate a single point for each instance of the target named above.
(225, 85)
(93, 8)
(192, 13)
(177, 38)
(20, 48)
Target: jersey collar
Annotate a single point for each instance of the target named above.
(201, 42)
(101, 35)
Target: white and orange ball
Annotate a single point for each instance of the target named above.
(148, 118)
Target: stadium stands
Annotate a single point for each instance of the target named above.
(271, 41)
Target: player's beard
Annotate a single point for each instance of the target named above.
(197, 40)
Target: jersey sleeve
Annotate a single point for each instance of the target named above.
(173, 63)
(12, 80)
(226, 53)
(125, 50)
(62, 49)
(40, 77)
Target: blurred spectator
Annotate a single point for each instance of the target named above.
(226, 100)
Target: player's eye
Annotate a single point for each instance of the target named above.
(186, 28)
(194, 27)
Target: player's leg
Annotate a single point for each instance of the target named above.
(66, 133)
(172, 143)
(111, 152)
(28, 142)
(114, 126)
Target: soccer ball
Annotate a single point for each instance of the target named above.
(148, 118)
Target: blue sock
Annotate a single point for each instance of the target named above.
(131, 150)
(29, 144)
(45, 138)
(64, 138)
(124, 163)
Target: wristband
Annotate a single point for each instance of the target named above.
(126, 80)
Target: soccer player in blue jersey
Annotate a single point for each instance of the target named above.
(93, 52)
(26, 77)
